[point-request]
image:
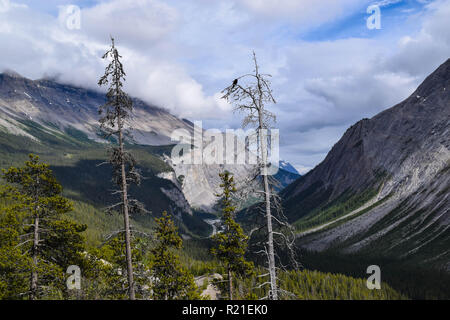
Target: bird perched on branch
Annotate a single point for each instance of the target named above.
(229, 90)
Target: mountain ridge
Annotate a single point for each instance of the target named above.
(48, 112)
(48, 102)
(399, 159)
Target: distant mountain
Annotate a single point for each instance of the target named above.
(45, 109)
(384, 188)
(286, 174)
(54, 119)
(61, 107)
(286, 166)
(60, 123)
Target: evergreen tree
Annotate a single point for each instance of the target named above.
(231, 244)
(36, 209)
(115, 112)
(14, 264)
(170, 280)
(113, 253)
(64, 242)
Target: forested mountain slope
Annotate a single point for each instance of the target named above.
(384, 186)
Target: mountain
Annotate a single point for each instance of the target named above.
(286, 174)
(60, 107)
(383, 189)
(43, 109)
(201, 183)
(286, 166)
(59, 123)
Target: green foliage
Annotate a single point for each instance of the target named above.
(171, 280)
(64, 242)
(193, 225)
(35, 233)
(14, 264)
(98, 221)
(314, 285)
(231, 244)
(342, 205)
(88, 185)
(98, 278)
(115, 265)
(411, 280)
(346, 279)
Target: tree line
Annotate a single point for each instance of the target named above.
(38, 243)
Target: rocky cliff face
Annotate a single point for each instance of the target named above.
(397, 165)
(201, 183)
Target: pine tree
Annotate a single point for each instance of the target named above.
(115, 112)
(170, 280)
(64, 243)
(38, 204)
(231, 244)
(14, 264)
(117, 263)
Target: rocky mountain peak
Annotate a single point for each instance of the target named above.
(437, 81)
(11, 73)
(65, 106)
(394, 167)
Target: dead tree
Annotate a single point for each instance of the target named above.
(249, 94)
(255, 221)
(115, 113)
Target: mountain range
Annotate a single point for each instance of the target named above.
(382, 190)
(60, 123)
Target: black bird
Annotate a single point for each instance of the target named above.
(235, 82)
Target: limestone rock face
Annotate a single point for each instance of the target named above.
(404, 154)
(200, 181)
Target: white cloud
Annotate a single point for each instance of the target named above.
(169, 86)
(180, 54)
(140, 24)
(421, 53)
(385, 3)
(332, 84)
(37, 44)
(6, 5)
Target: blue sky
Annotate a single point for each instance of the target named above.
(394, 16)
(329, 70)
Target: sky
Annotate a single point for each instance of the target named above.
(329, 69)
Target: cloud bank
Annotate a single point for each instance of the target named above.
(180, 54)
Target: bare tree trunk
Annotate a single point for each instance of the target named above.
(126, 220)
(271, 254)
(230, 284)
(251, 98)
(34, 274)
